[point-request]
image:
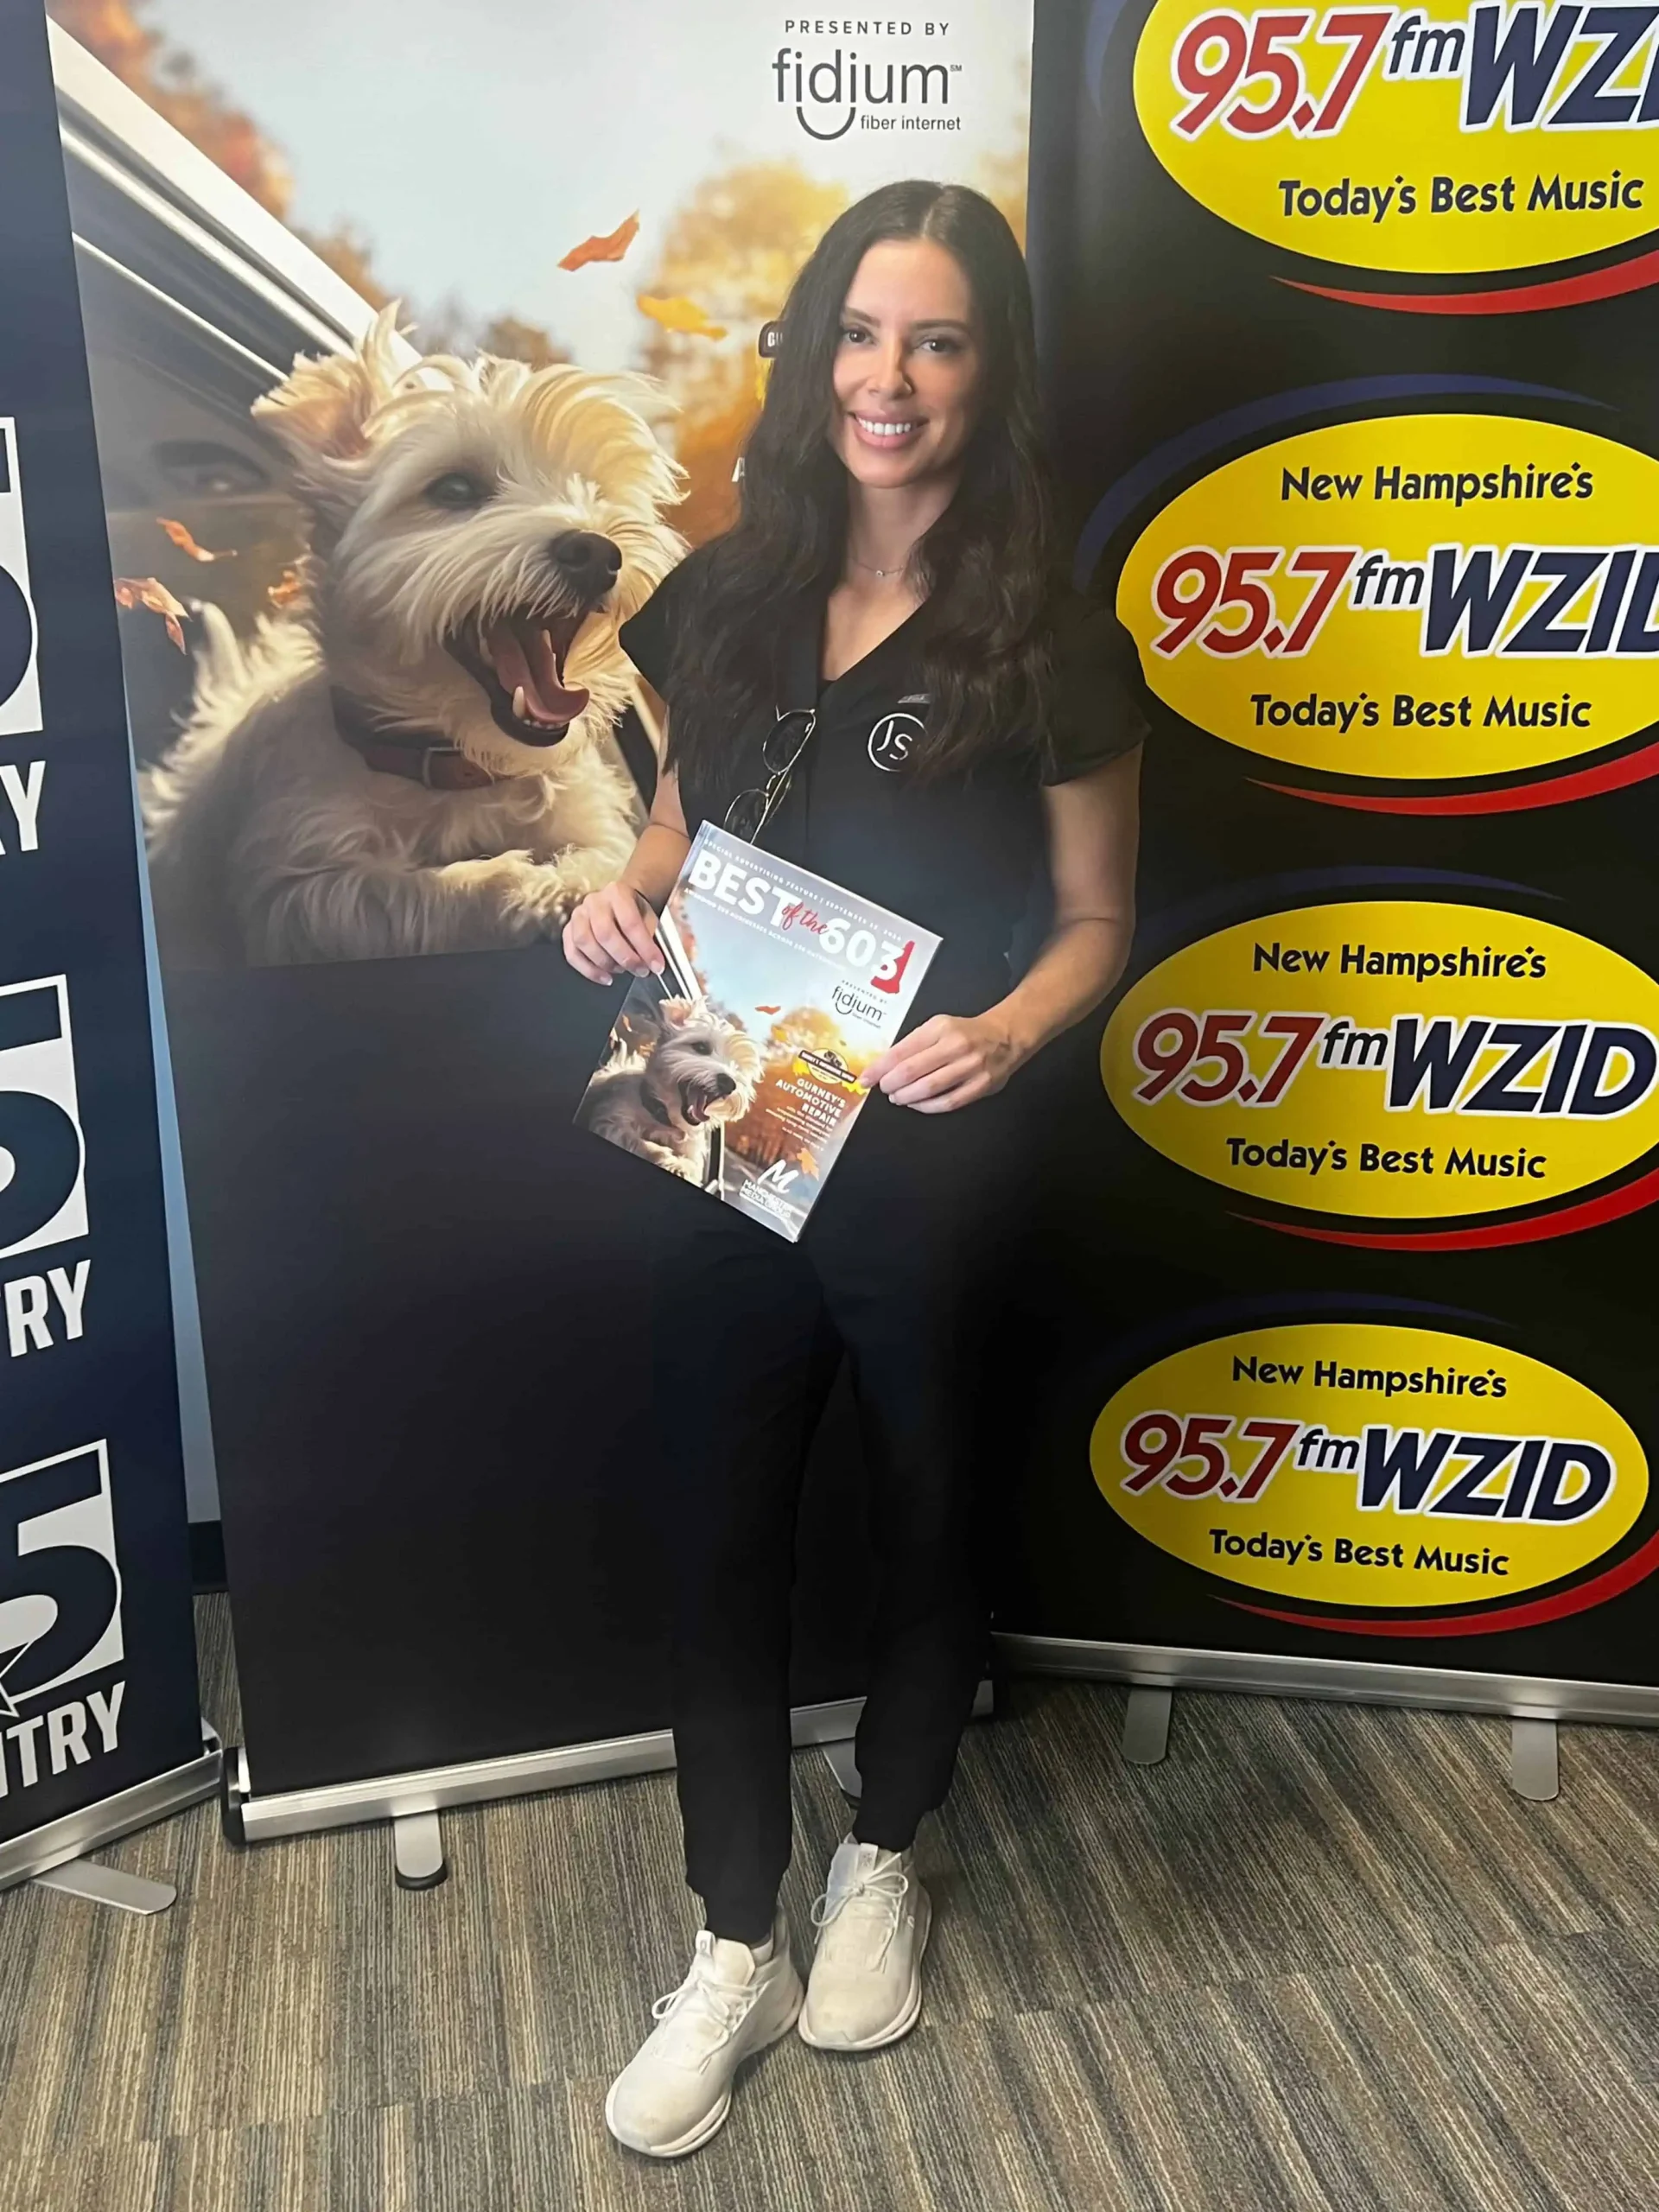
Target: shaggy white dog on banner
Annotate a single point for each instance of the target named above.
(418, 759)
(682, 1069)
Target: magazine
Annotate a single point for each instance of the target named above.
(738, 1067)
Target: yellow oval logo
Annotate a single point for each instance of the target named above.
(1477, 137)
(1391, 1060)
(1426, 596)
(1349, 1463)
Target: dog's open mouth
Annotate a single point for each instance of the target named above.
(695, 1104)
(519, 660)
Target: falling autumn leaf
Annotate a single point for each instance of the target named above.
(286, 589)
(681, 315)
(181, 537)
(145, 591)
(769, 1009)
(611, 247)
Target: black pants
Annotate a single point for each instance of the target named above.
(899, 1268)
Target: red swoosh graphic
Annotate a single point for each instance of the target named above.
(1597, 1592)
(1517, 299)
(1590, 1213)
(1560, 790)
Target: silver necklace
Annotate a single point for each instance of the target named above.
(870, 568)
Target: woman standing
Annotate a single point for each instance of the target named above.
(873, 675)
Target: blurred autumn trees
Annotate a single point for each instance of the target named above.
(776, 1126)
(733, 249)
(168, 79)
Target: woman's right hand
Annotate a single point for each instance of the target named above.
(613, 931)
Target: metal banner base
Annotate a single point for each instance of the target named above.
(418, 1859)
(111, 1885)
(1534, 1769)
(1533, 1704)
(1528, 1697)
(1145, 1725)
(413, 1801)
(25, 1858)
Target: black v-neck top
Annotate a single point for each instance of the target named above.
(960, 854)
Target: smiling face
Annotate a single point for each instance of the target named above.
(909, 370)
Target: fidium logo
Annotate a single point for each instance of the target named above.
(842, 90)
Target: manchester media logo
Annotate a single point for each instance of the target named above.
(20, 694)
(840, 90)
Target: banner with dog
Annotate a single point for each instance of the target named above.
(99, 1721)
(370, 599)
(407, 724)
(1347, 321)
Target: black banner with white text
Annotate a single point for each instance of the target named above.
(97, 1688)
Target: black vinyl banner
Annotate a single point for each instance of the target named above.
(1349, 316)
(97, 1688)
(378, 521)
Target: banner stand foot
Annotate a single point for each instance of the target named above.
(842, 1764)
(1145, 1725)
(110, 1885)
(418, 1851)
(1534, 1766)
(56, 1855)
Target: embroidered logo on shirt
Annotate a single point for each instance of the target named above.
(891, 740)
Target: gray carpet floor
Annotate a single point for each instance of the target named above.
(1322, 1957)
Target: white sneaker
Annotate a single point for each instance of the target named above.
(676, 2091)
(866, 1985)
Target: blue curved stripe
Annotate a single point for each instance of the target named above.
(1102, 21)
(1180, 926)
(1196, 1324)
(1126, 495)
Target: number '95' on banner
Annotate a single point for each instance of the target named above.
(20, 691)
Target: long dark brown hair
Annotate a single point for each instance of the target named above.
(984, 565)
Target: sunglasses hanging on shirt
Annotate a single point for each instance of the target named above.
(750, 811)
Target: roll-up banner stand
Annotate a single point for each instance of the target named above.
(1349, 318)
(100, 1726)
(423, 1293)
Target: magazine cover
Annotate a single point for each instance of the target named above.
(738, 1067)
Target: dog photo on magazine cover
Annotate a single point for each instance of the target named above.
(738, 1069)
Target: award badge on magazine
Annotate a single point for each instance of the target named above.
(737, 1068)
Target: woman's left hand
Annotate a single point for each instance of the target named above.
(948, 1062)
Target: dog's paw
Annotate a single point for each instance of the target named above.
(545, 893)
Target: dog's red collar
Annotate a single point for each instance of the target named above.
(424, 757)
